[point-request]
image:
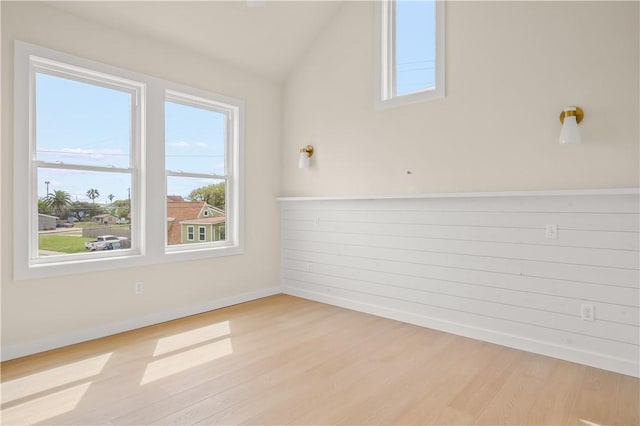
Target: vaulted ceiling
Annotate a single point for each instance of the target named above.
(265, 38)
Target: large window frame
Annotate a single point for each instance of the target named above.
(148, 189)
(385, 73)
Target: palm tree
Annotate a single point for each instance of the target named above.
(111, 197)
(57, 201)
(93, 194)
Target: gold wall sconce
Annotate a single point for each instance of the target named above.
(305, 154)
(569, 133)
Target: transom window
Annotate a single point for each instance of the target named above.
(410, 51)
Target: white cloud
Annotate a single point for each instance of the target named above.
(180, 144)
(201, 145)
(82, 152)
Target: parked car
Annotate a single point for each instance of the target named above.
(105, 242)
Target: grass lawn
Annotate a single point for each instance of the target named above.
(62, 243)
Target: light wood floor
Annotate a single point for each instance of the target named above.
(284, 360)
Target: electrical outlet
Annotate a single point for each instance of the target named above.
(587, 312)
(138, 287)
(551, 232)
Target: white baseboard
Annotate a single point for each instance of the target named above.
(35, 346)
(592, 359)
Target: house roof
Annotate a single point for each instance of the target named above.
(180, 211)
(184, 209)
(204, 221)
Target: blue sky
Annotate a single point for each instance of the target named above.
(415, 46)
(79, 123)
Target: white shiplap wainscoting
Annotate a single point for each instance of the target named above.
(480, 265)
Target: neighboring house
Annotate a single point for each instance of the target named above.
(106, 219)
(193, 222)
(46, 222)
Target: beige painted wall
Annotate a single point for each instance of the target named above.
(38, 309)
(511, 68)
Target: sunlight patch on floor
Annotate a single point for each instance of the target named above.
(588, 423)
(53, 378)
(191, 337)
(185, 360)
(45, 407)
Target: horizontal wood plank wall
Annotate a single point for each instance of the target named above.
(481, 267)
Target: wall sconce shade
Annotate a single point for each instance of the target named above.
(305, 154)
(569, 133)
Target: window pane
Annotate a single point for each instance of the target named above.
(195, 203)
(80, 123)
(415, 46)
(80, 206)
(195, 139)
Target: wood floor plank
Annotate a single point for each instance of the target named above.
(557, 396)
(459, 365)
(268, 378)
(628, 402)
(515, 398)
(596, 399)
(329, 383)
(286, 360)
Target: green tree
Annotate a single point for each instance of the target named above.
(93, 194)
(211, 194)
(122, 208)
(83, 210)
(43, 208)
(111, 197)
(57, 202)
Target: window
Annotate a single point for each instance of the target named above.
(84, 170)
(85, 147)
(410, 51)
(197, 140)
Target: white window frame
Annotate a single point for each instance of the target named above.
(148, 172)
(385, 82)
(232, 112)
(191, 233)
(136, 91)
(202, 233)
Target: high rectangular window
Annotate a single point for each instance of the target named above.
(410, 51)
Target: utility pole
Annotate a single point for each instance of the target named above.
(46, 182)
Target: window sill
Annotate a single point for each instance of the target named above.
(94, 265)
